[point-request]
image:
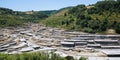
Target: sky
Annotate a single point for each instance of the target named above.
(37, 5)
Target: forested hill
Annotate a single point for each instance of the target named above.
(8, 17)
(95, 18)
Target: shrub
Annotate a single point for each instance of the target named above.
(83, 58)
(69, 58)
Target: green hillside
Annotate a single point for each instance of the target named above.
(96, 18)
(9, 17)
(56, 19)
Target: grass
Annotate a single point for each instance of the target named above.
(30, 56)
(35, 56)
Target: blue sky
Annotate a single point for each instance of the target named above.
(26, 5)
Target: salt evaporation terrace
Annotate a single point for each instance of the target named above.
(37, 37)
